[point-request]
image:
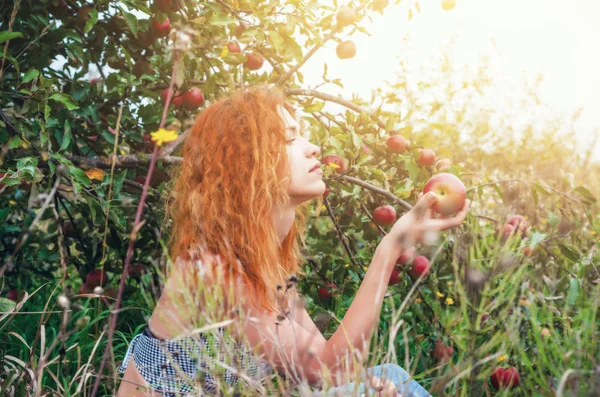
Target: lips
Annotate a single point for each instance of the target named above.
(316, 167)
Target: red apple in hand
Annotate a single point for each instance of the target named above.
(337, 160)
(325, 292)
(420, 267)
(426, 158)
(450, 191)
(395, 277)
(193, 99)
(96, 277)
(508, 230)
(384, 215)
(397, 144)
(407, 256)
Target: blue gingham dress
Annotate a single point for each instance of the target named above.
(181, 366)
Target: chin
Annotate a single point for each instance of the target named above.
(299, 197)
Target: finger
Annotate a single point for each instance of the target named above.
(424, 203)
(456, 220)
(375, 383)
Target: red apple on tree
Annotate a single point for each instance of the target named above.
(519, 222)
(450, 191)
(345, 16)
(346, 49)
(384, 215)
(442, 352)
(96, 277)
(85, 289)
(443, 164)
(420, 267)
(426, 158)
(407, 256)
(395, 277)
(161, 29)
(175, 96)
(326, 291)
(255, 61)
(234, 46)
(326, 192)
(397, 144)
(447, 5)
(503, 378)
(14, 294)
(193, 99)
(337, 160)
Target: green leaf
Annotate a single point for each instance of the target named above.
(91, 22)
(46, 113)
(30, 75)
(586, 194)
(131, 21)
(275, 40)
(413, 170)
(65, 100)
(293, 49)
(6, 305)
(66, 138)
(79, 176)
(5, 36)
(118, 182)
(573, 293)
(14, 142)
(536, 238)
(221, 20)
(568, 252)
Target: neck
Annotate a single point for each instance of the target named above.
(283, 220)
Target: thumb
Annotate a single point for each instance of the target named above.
(425, 202)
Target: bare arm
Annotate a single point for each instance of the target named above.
(295, 345)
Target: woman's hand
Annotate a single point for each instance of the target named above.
(384, 388)
(410, 229)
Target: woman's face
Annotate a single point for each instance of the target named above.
(306, 181)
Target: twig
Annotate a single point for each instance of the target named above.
(377, 190)
(340, 232)
(331, 98)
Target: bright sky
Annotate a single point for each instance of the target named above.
(556, 38)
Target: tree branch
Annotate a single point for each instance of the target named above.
(377, 190)
(331, 98)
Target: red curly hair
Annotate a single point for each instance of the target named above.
(234, 173)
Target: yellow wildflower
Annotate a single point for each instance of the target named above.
(449, 301)
(163, 136)
(323, 208)
(593, 232)
(439, 294)
(95, 173)
(346, 265)
(365, 268)
(418, 300)
(544, 221)
(224, 51)
(12, 202)
(449, 283)
(501, 358)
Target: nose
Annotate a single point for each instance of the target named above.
(313, 150)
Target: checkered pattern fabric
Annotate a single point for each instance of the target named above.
(178, 367)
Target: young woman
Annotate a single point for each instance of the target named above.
(238, 209)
